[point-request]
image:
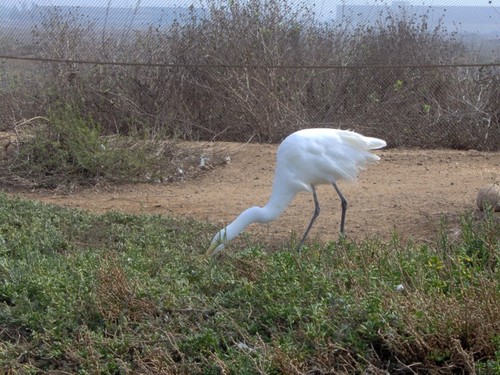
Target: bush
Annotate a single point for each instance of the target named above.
(235, 75)
(68, 149)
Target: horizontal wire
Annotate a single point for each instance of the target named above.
(244, 66)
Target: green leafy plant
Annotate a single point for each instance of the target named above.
(70, 149)
(121, 293)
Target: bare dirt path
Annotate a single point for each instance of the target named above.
(408, 191)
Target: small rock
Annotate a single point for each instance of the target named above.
(203, 163)
(243, 346)
(489, 194)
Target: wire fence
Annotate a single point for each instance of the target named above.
(255, 71)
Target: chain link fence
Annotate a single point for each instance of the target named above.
(252, 71)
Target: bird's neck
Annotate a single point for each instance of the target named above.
(278, 202)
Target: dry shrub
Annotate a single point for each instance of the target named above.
(234, 77)
(66, 150)
(116, 295)
(334, 357)
(158, 360)
(445, 333)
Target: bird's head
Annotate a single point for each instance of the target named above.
(218, 243)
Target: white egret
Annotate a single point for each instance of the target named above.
(306, 158)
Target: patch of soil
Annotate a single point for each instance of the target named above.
(409, 191)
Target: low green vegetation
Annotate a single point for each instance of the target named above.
(67, 149)
(115, 293)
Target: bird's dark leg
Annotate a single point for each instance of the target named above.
(344, 207)
(315, 215)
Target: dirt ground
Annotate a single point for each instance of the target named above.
(408, 191)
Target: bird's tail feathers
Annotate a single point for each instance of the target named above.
(374, 143)
(361, 142)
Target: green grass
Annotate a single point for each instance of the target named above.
(68, 149)
(117, 294)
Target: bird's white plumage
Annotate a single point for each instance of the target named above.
(306, 158)
(313, 157)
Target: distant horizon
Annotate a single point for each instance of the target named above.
(365, 11)
(324, 5)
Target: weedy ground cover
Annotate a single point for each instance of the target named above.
(116, 293)
(66, 149)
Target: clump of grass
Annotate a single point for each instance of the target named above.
(70, 149)
(120, 293)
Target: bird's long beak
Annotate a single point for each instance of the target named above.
(214, 248)
(211, 249)
(217, 244)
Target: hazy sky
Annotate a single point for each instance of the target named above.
(325, 4)
(323, 8)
